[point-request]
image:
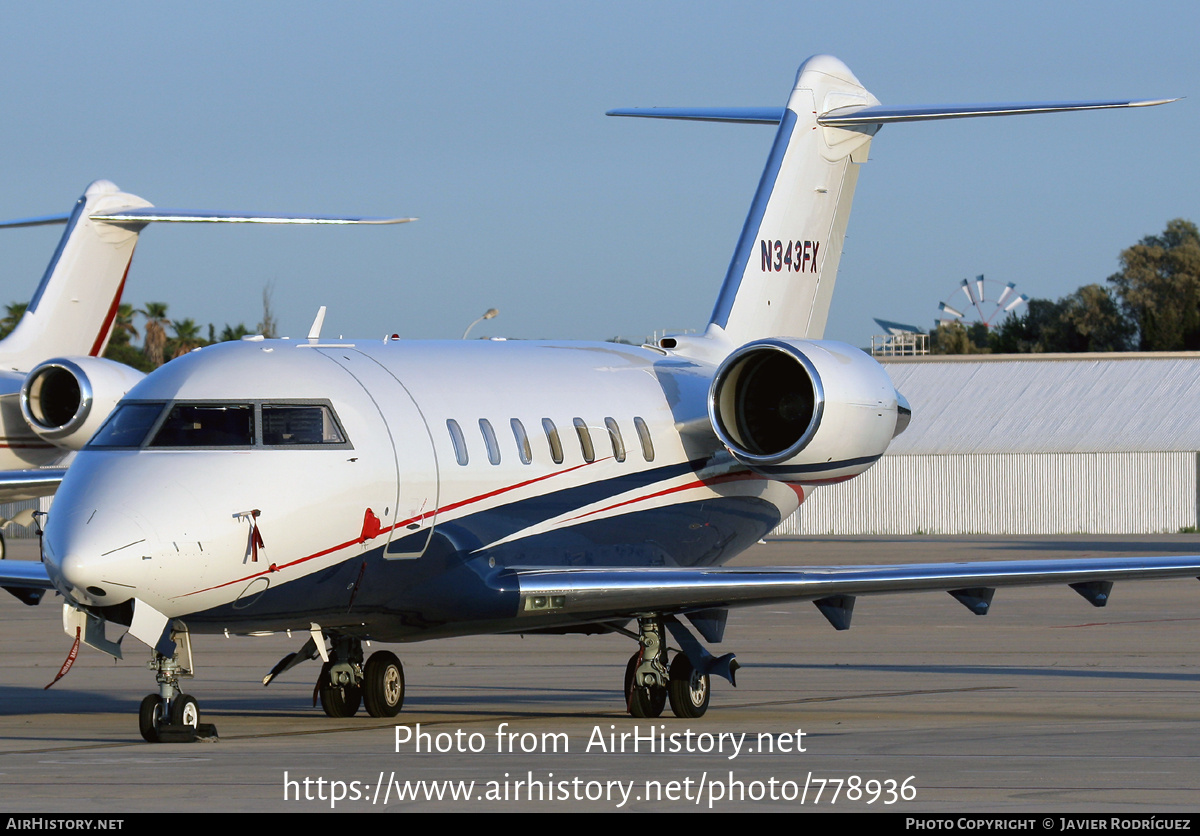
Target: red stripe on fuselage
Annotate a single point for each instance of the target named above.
(454, 505)
(102, 337)
(699, 483)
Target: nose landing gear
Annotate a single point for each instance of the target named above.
(171, 716)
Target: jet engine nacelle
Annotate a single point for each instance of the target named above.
(804, 410)
(65, 400)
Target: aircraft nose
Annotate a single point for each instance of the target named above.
(93, 558)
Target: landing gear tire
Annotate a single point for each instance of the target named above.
(338, 700)
(383, 684)
(688, 689)
(185, 711)
(150, 715)
(643, 702)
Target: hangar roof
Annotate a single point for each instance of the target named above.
(1049, 403)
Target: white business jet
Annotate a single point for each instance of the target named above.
(395, 491)
(56, 388)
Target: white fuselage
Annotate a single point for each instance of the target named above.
(413, 505)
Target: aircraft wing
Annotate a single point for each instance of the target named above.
(16, 485)
(25, 579)
(625, 592)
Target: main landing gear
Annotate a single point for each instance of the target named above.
(171, 716)
(650, 683)
(345, 682)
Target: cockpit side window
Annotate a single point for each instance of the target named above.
(128, 426)
(289, 424)
(207, 425)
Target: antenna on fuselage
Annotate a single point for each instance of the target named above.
(314, 333)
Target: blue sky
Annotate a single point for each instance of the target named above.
(486, 121)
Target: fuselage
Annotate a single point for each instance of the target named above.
(383, 488)
(20, 447)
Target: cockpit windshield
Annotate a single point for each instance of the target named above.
(207, 425)
(128, 426)
(192, 424)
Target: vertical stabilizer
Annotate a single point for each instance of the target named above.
(781, 278)
(72, 310)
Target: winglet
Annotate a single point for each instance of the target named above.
(314, 333)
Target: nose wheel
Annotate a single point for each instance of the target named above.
(172, 721)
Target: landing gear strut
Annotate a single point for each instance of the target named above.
(171, 716)
(646, 673)
(649, 683)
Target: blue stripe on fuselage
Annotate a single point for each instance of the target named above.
(452, 590)
(741, 255)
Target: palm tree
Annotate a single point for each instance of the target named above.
(123, 331)
(155, 314)
(234, 332)
(187, 337)
(12, 315)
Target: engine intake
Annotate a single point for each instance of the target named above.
(65, 400)
(803, 410)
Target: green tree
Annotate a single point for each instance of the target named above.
(1092, 320)
(956, 338)
(233, 332)
(187, 337)
(123, 329)
(1034, 331)
(155, 314)
(12, 315)
(1159, 288)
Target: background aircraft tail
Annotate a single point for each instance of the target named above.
(73, 308)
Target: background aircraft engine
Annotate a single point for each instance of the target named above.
(804, 410)
(65, 400)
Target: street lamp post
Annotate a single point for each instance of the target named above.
(489, 314)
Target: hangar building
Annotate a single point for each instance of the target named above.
(1029, 444)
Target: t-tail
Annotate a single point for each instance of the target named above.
(74, 307)
(780, 280)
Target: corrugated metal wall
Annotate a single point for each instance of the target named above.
(1017, 493)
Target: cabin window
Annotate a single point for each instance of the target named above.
(295, 424)
(128, 426)
(523, 449)
(489, 440)
(644, 436)
(556, 451)
(614, 434)
(207, 425)
(585, 440)
(456, 438)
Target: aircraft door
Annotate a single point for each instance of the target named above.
(413, 514)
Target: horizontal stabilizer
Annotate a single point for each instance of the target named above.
(878, 115)
(44, 220)
(154, 214)
(753, 115)
(883, 114)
